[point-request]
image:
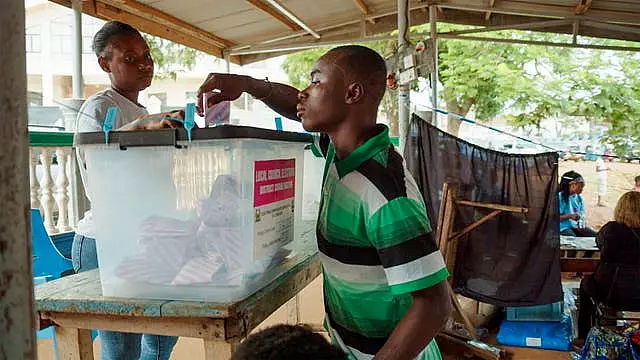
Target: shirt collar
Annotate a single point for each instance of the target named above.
(364, 152)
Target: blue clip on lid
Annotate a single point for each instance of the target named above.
(109, 120)
(189, 122)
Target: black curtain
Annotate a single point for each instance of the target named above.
(513, 259)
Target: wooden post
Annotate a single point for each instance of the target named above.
(73, 344)
(218, 350)
(16, 284)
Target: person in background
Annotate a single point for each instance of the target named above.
(601, 176)
(287, 342)
(614, 282)
(637, 181)
(572, 213)
(125, 56)
(385, 290)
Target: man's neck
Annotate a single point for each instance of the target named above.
(347, 138)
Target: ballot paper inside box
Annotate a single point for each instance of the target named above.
(198, 220)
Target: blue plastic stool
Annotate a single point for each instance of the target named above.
(48, 264)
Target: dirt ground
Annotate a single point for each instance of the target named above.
(620, 180)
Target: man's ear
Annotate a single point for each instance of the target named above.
(104, 64)
(355, 93)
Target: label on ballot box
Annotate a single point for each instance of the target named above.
(273, 202)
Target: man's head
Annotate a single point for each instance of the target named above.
(287, 342)
(637, 179)
(124, 55)
(347, 84)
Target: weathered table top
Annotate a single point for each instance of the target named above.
(81, 294)
(578, 243)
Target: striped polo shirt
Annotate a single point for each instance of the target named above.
(375, 244)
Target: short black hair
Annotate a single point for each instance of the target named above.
(107, 32)
(287, 342)
(366, 65)
(637, 179)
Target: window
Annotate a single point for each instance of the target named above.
(62, 33)
(61, 29)
(33, 39)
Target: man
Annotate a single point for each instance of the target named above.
(601, 176)
(384, 278)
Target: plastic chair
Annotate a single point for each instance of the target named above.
(48, 264)
(47, 260)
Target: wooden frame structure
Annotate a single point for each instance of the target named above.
(447, 242)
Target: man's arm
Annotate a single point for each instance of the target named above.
(228, 87)
(427, 315)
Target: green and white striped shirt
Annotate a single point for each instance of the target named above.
(375, 244)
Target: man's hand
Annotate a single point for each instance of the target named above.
(427, 315)
(156, 121)
(221, 87)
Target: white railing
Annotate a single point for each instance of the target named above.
(54, 186)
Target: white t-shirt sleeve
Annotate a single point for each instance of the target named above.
(92, 113)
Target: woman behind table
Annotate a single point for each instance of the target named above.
(619, 243)
(572, 214)
(124, 55)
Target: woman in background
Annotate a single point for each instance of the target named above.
(572, 213)
(615, 281)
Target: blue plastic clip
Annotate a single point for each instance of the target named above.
(278, 121)
(189, 122)
(109, 120)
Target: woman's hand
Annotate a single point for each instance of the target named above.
(156, 121)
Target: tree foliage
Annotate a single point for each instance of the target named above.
(525, 83)
(170, 58)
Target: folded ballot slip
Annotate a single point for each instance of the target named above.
(219, 113)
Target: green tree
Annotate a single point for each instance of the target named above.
(170, 58)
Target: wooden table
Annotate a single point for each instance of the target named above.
(578, 254)
(74, 305)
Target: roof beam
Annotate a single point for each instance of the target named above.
(523, 26)
(582, 7)
(107, 12)
(542, 43)
(491, 4)
(512, 7)
(276, 15)
(160, 17)
(289, 14)
(364, 9)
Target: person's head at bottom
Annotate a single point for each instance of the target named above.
(287, 342)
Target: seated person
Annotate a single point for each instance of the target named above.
(572, 214)
(616, 282)
(287, 342)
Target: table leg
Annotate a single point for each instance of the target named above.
(219, 350)
(73, 344)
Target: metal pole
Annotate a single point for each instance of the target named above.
(434, 74)
(403, 90)
(76, 77)
(16, 282)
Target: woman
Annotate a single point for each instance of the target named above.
(572, 214)
(616, 281)
(125, 56)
